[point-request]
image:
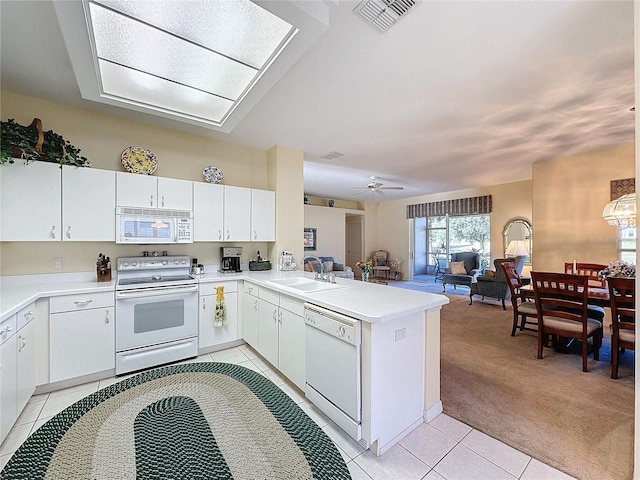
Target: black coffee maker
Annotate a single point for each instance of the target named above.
(230, 259)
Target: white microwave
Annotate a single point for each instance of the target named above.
(153, 226)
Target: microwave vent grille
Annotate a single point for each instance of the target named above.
(154, 212)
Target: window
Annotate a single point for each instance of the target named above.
(627, 244)
(447, 234)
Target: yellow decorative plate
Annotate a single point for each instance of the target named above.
(139, 160)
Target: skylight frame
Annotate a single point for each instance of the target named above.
(199, 117)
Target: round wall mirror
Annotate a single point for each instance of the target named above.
(518, 239)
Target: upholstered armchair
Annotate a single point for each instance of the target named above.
(462, 269)
(493, 283)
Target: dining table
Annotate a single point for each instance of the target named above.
(596, 295)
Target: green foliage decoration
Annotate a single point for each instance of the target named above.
(17, 141)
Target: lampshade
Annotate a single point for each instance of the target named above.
(517, 247)
(621, 212)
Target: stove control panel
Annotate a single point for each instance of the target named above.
(151, 263)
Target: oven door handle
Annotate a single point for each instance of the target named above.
(154, 291)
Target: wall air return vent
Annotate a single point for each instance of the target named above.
(382, 14)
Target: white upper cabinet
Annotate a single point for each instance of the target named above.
(237, 214)
(263, 216)
(30, 201)
(208, 212)
(134, 190)
(88, 204)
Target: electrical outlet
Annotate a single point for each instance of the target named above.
(57, 263)
(401, 334)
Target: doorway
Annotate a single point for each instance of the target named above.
(354, 245)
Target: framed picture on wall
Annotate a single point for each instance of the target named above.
(310, 239)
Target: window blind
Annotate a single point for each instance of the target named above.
(459, 206)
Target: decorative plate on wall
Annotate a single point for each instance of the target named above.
(212, 174)
(139, 160)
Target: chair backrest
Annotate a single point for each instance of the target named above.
(589, 270)
(380, 258)
(510, 273)
(622, 294)
(561, 295)
(471, 260)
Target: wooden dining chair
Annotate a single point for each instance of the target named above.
(623, 317)
(590, 270)
(523, 307)
(561, 302)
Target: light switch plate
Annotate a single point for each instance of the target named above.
(57, 263)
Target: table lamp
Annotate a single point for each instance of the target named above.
(516, 248)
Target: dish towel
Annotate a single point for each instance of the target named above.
(220, 315)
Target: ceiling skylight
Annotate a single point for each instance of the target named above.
(195, 59)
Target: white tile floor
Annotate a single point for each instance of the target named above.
(443, 449)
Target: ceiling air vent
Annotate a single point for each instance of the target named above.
(382, 14)
(331, 155)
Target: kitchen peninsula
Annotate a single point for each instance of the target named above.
(399, 373)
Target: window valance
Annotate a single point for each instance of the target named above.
(459, 206)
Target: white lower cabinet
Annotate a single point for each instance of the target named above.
(17, 366)
(208, 334)
(281, 333)
(250, 314)
(81, 335)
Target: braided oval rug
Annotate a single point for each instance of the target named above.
(188, 421)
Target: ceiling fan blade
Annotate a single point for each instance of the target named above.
(362, 191)
(391, 188)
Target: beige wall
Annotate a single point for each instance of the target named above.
(569, 194)
(330, 225)
(102, 138)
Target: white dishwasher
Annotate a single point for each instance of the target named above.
(333, 367)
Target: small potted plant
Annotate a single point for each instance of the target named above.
(31, 143)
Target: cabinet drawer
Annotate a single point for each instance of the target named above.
(210, 287)
(269, 295)
(80, 301)
(25, 315)
(292, 305)
(250, 288)
(8, 328)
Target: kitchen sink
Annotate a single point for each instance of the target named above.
(305, 284)
(291, 281)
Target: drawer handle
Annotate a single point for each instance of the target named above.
(69, 231)
(82, 303)
(228, 235)
(53, 231)
(23, 343)
(106, 316)
(5, 330)
(219, 234)
(28, 314)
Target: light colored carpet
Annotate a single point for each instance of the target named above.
(580, 423)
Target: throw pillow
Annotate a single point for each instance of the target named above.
(490, 273)
(315, 265)
(457, 268)
(328, 266)
(381, 262)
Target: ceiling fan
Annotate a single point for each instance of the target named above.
(375, 186)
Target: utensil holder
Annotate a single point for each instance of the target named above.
(104, 274)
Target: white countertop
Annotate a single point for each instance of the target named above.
(365, 301)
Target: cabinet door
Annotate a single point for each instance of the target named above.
(268, 331)
(26, 355)
(237, 214)
(133, 190)
(208, 335)
(250, 319)
(208, 212)
(175, 194)
(30, 200)
(8, 385)
(291, 352)
(87, 186)
(263, 216)
(81, 343)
